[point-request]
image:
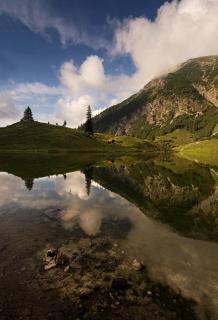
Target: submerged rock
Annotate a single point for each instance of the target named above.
(52, 253)
(98, 281)
(50, 265)
(120, 284)
(137, 266)
(50, 259)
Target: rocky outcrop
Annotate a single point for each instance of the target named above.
(190, 90)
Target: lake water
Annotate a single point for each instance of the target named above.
(118, 216)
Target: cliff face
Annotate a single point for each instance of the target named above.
(190, 94)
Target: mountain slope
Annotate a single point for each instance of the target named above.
(186, 98)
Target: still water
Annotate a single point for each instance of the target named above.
(155, 214)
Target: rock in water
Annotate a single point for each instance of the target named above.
(120, 284)
(50, 259)
(137, 266)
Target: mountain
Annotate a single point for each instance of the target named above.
(186, 98)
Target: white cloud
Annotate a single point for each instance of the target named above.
(72, 110)
(181, 30)
(35, 88)
(38, 17)
(8, 111)
(82, 86)
(89, 76)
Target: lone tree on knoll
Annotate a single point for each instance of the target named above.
(28, 116)
(88, 127)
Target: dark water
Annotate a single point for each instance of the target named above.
(161, 213)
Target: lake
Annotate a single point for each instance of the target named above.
(93, 238)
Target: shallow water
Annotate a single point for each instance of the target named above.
(162, 213)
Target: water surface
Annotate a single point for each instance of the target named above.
(161, 213)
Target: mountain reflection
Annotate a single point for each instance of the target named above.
(161, 212)
(179, 193)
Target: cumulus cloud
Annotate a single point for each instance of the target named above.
(83, 85)
(182, 30)
(74, 110)
(89, 76)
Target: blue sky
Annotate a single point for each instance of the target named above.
(58, 56)
(28, 56)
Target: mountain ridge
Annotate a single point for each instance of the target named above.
(168, 102)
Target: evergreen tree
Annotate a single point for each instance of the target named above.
(65, 123)
(28, 116)
(88, 127)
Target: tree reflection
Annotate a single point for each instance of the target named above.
(65, 176)
(88, 172)
(29, 182)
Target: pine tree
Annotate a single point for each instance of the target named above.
(88, 127)
(28, 116)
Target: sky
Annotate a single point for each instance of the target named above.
(60, 56)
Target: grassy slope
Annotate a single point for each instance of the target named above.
(128, 142)
(41, 137)
(177, 138)
(201, 151)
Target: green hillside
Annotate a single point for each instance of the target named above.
(41, 136)
(183, 99)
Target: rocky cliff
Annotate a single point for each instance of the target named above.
(186, 98)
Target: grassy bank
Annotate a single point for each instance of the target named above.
(129, 142)
(43, 138)
(177, 138)
(201, 151)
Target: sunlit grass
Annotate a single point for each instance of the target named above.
(201, 151)
(177, 137)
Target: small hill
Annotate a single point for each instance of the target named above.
(37, 136)
(40, 136)
(183, 99)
